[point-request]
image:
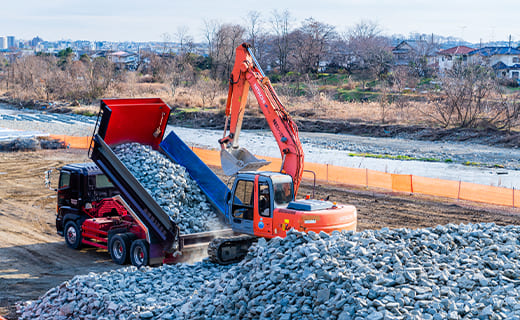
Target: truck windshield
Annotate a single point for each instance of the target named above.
(103, 182)
(283, 193)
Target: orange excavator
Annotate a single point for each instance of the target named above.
(248, 74)
(261, 203)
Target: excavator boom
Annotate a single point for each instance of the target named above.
(247, 74)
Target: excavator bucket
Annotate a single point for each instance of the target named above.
(240, 159)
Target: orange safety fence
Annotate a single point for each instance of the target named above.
(396, 182)
(367, 178)
(436, 187)
(73, 142)
(487, 194)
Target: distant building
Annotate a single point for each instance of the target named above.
(3, 43)
(11, 42)
(504, 60)
(449, 56)
(123, 59)
(36, 41)
(408, 50)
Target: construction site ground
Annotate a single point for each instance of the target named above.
(34, 259)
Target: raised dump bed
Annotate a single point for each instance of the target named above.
(144, 121)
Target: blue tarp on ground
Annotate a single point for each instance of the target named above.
(208, 181)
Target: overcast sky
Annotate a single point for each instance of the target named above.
(147, 20)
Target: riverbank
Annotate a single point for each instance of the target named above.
(485, 136)
(451, 160)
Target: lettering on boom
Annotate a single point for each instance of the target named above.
(259, 94)
(277, 126)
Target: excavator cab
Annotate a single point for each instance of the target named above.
(254, 197)
(234, 160)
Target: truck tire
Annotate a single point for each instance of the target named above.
(119, 247)
(140, 253)
(72, 235)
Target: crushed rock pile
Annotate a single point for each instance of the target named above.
(30, 144)
(171, 187)
(127, 293)
(446, 272)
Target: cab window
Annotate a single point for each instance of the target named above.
(283, 193)
(64, 180)
(243, 200)
(264, 200)
(103, 182)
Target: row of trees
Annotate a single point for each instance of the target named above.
(49, 77)
(282, 46)
(471, 96)
(466, 96)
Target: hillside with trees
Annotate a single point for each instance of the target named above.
(319, 72)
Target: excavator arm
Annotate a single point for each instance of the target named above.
(247, 74)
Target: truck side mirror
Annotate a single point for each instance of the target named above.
(228, 196)
(48, 180)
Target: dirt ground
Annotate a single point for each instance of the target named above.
(34, 259)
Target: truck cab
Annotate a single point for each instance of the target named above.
(80, 186)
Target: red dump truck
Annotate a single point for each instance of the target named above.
(102, 204)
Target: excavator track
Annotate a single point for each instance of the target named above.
(229, 250)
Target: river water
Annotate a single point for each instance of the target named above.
(263, 143)
(331, 149)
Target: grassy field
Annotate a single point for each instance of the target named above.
(327, 97)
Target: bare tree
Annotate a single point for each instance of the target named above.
(224, 42)
(281, 25)
(510, 106)
(208, 90)
(369, 51)
(98, 76)
(185, 40)
(312, 42)
(211, 28)
(167, 39)
(424, 47)
(253, 28)
(178, 72)
(467, 97)
(383, 102)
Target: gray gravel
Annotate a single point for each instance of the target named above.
(446, 272)
(171, 186)
(127, 293)
(30, 144)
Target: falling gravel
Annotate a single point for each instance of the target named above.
(446, 272)
(171, 187)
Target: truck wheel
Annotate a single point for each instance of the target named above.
(118, 247)
(139, 253)
(72, 235)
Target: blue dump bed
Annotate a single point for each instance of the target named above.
(214, 189)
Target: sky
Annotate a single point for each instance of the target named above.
(149, 20)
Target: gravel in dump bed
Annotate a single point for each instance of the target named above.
(171, 187)
(446, 272)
